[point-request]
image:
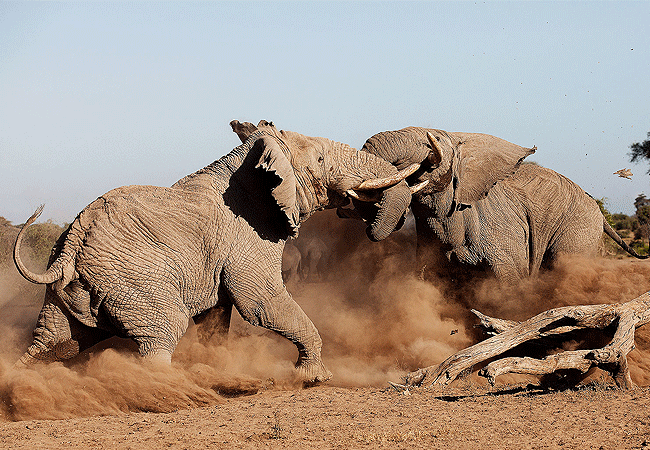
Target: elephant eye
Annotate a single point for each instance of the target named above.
(320, 159)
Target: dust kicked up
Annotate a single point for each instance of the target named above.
(377, 317)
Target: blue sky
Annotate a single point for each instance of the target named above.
(97, 95)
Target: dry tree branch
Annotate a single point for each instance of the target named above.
(554, 322)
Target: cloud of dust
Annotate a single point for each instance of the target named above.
(377, 318)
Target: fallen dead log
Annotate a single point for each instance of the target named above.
(558, 323)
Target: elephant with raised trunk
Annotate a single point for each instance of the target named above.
(481, 208)
(141, 261)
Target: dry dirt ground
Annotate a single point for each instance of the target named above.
(509, 417)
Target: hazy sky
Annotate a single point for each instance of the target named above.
(98, 95)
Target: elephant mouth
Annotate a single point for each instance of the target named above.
(336, 199)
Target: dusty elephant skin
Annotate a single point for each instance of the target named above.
(481, 208)
(140, 261)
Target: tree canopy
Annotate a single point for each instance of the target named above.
(640, 151)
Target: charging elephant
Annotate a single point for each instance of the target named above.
(140, 261)
(481, 208)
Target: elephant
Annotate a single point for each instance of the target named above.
(291, 263)
(482, 210)
(315, 256)
(141, 261)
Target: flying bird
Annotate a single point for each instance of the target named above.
(624, 173)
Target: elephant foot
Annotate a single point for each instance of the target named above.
(25, 361)
(158, 357)
(37, 354)
(312, 372)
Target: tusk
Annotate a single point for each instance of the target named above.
(435, 156)
(379, 183)
(362, 197)
(352, 194)
(418, 187)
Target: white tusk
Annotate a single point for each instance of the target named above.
(351, 193)
(418, 187)
(362, 196)
(436, 154)
(379, 183)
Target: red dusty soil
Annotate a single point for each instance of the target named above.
(324, 417)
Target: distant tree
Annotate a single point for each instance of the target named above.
(41, 237)
(642, 205)
(623, 222)
(641, 201)
(640, 151)
(8, 234)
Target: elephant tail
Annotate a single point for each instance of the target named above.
(614, 235)
(54, 272)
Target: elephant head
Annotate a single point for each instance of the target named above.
(465, 166)
(313, 173)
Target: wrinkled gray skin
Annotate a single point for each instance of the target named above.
(482, 209)
(291, 263)
(140, 261)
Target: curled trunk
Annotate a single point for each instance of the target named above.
(392, 203)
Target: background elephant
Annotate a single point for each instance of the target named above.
(482, 209)
(140, 261)
(291, 263)
(315, 257)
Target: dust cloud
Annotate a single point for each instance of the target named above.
(377, 317)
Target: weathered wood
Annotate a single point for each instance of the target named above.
(626, 317)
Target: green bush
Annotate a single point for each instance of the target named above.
(40, 238)
(623, 222)
(603, 210)
(639, 246)
(37, 242)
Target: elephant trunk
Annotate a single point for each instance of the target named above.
(393, 202)
(393, 206)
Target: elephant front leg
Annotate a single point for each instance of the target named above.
(267, 303)
(284, 316)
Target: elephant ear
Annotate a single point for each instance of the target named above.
(483, 160)
(281, 179)
(243, 130)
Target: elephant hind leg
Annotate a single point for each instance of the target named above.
(58, 335)
(155, 323)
